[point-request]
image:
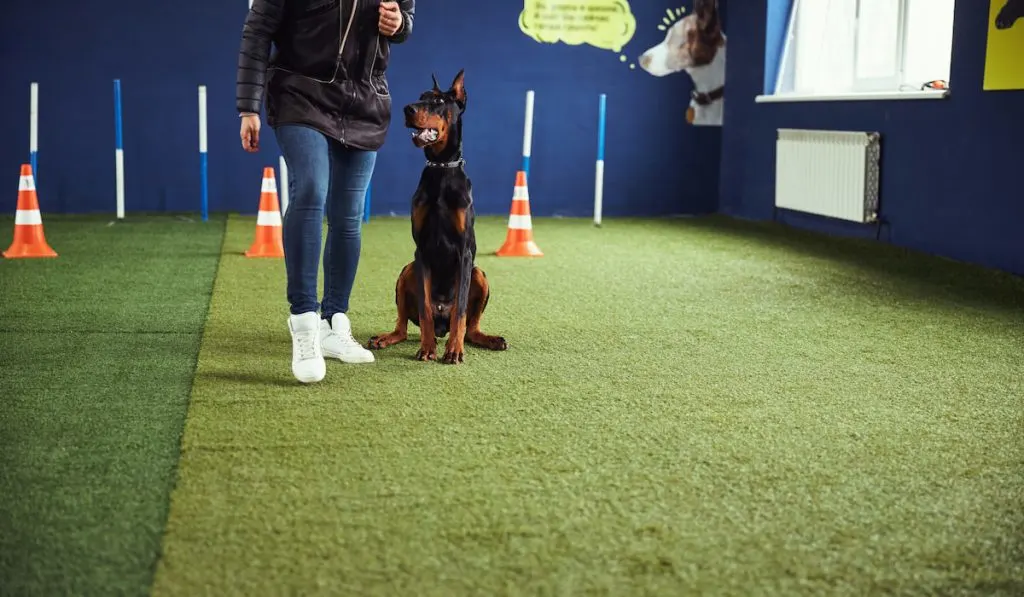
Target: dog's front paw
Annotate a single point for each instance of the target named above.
(427, 352)
(489, 342)
(454, 351)
(378, 342)
(454, 357)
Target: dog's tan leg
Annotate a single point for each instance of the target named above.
(405, 299)
(479, 295)
(428, 341)
(454, 349)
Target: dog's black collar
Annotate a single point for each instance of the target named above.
(456, 164)
(704, 98)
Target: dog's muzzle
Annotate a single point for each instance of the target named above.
(425, 135)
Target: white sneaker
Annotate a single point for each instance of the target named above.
(307, 357)
(337, 342)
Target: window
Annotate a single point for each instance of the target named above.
(850, 47)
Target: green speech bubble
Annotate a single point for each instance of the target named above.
(605, 24)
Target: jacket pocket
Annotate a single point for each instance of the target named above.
(379, 83)
(380, 56)
(317, 8)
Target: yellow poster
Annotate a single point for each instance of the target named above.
(1004, 57)
(605, 24)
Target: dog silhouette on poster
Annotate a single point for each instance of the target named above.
(695, 45)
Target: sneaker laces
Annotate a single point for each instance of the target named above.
(347, 337)
(306, 344)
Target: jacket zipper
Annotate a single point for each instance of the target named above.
(341, 50)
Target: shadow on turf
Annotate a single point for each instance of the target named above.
(907, 271)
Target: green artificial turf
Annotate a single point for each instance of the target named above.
(97, 354)
(687, 407)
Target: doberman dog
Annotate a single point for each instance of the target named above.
(441, 291)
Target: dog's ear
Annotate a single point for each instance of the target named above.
(709, 26)
(459, 88)
(437, 87)
(704, 9)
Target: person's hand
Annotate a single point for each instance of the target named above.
(390, 18)
(250, 133)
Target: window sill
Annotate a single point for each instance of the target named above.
(923, 94)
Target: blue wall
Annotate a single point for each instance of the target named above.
(950, 168)
(656, 163)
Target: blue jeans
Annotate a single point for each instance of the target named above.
(323, 177)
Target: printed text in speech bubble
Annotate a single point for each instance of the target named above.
(605, 24)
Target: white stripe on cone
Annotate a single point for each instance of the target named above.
(268, 218)
(520, 193)
(269, 186)
(520, 222)
(28, 217)
(26, 183)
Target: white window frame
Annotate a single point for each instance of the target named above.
(885, 88)
(894, 81)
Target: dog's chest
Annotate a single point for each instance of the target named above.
(440, 236)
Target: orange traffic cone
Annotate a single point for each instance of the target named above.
(519, 240)
(268, 222)
(29, 240)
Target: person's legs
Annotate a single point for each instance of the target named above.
(306, 151)
(307, 155)
(351, 170)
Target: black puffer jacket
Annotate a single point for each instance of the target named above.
(328, 70)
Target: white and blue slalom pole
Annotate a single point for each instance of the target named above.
(118, 150)
(599, 169)
(366, 203)
(33, 131)
(283, 167)
(528, 134)
(204, 191)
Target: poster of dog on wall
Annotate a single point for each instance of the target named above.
(694, 45)
(1005, 46)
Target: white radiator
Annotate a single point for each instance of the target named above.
(828, 173)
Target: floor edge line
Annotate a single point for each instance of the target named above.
(154, 565)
